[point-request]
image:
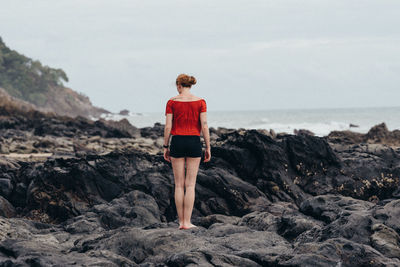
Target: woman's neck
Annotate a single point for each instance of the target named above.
(185, 92)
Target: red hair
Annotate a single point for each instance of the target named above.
(185, 80)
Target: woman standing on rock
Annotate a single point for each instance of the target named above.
(186, 118)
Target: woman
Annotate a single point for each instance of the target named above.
(186, 118)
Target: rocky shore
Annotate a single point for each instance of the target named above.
(99, 193)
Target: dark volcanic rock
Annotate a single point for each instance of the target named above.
(124, 112)
(124, 126)
(6, 209)
(153, 132)
(379, 134)
(303, 132)
(286, 200)
(24, 119)
(369, 171)
(285, 169)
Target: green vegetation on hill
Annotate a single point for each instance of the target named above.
(28, 80)
(25, 78)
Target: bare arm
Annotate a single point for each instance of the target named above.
(204, 129)
(167, 128)
(167, 134)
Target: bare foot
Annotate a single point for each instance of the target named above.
(188, 226)
(181, 224)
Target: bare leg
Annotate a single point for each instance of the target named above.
(178, 167)
(192, 167)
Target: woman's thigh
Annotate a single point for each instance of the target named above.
(178, 167)
(192, 168)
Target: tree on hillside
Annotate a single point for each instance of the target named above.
(25, 78)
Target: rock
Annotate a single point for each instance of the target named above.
(345, 137)
(369, 172)
(379, 134)
(124, 112)
(154, 132)
(6, 209)
(6, 187)
(124, 127)
(4, 149)
(272, 133)
(337, 252)
(209, 220)
(386, 240)
(389, 214)
(263, 200)
(135, 208)
(88, 223)
(31, 243)
(303, 132)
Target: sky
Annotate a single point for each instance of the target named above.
(246, 55)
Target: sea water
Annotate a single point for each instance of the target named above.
(320, 121)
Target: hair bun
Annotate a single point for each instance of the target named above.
(192, 80)
(186, 80)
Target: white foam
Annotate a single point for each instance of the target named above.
(320, 122)
(319, 128)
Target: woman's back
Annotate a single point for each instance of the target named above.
(186, 115)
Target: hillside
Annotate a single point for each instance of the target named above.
(42, 86)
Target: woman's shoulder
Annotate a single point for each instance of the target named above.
(178, 98)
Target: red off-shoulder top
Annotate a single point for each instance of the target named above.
(186, 116)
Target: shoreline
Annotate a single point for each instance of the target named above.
(321, 123)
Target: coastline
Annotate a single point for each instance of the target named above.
(319, 121)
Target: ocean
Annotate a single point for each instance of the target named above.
(320, 121)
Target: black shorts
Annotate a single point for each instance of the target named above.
(185, 146)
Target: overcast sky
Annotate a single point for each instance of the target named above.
(246, 55)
